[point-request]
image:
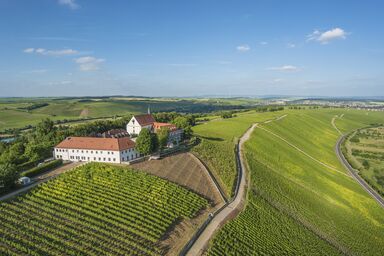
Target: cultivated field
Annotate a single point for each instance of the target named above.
(365, 151)
(301, 201)
(96, 209)
(184, 170)
(218, 139)
(22, 112)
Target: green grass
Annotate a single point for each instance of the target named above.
(297, 206)
(218, 143)
(96, 209)
(75, 108)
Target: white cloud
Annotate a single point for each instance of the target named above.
(89, 63)
(42, 51)
(243, 48)
(285, 68)
(29, 50)
(37, 71)
(263, 43)
(290, 45)
(327, 36)
(70, 3)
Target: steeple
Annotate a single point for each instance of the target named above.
(149, 109)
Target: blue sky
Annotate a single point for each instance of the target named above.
(191, 48)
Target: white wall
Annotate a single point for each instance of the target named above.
(134, 128)
(104, 156)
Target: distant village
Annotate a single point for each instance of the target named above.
(115, 146)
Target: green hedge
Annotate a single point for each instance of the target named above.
(42, 168)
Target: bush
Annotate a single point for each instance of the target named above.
(42, 168)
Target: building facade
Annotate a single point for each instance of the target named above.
(90, 149)
(139, 122)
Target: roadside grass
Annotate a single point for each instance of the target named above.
(364, 149)
(320, 209)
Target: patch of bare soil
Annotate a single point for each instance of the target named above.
(184, 170)
(84, 112)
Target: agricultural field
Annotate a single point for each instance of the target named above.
(96, 209)
(364, 149)
(23, 112)
(218, 140)
(183, 169)
(301, 201)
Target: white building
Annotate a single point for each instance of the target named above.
(90, 149)
(147, 121)
(139, 122)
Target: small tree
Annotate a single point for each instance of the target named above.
(366, 164)
(144, 142)
(182, 122)
(163, 135)
(8, 175)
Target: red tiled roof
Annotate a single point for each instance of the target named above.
(145, 119)
(157, 126)
(114, 144)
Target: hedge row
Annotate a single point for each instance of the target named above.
(42, 168)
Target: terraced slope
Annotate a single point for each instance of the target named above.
(297, 205)
(96, 209)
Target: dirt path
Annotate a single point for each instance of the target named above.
(232, 208)
(334, 125)
(40, 179)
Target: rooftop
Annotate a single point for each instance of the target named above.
(113, 144)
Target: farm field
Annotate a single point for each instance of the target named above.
(96, 209)
(22, 112)
(218, 139)
(365, 151)
(184, 170)
(297, 205)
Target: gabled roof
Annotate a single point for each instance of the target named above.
(145, 119)
(113, 144)
(158, 126)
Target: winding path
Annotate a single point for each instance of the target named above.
(200, 240)
(198, 243)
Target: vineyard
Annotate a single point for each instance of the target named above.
(218, 139)
(95, 209)
(297, 206)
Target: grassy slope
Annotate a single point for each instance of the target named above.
(316, 204)
(218, 142)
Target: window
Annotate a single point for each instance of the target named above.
(94, 158)
(109, 159)
(88, 158)
(112, 153)
(122, 159)
(91, 152)
(99, 158)
(95, 152)
(82, 151)
(108, 152)
(104, 159)
(86, 151)
(114, 159)
(73, 151)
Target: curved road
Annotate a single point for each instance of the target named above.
(355, 174)
(201, 239)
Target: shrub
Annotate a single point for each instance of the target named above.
(42, 168)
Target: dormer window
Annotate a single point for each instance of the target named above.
(133, 121)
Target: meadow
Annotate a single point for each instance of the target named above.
(96, 209)
(297, 204)
(364, 149)
(24, 112)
